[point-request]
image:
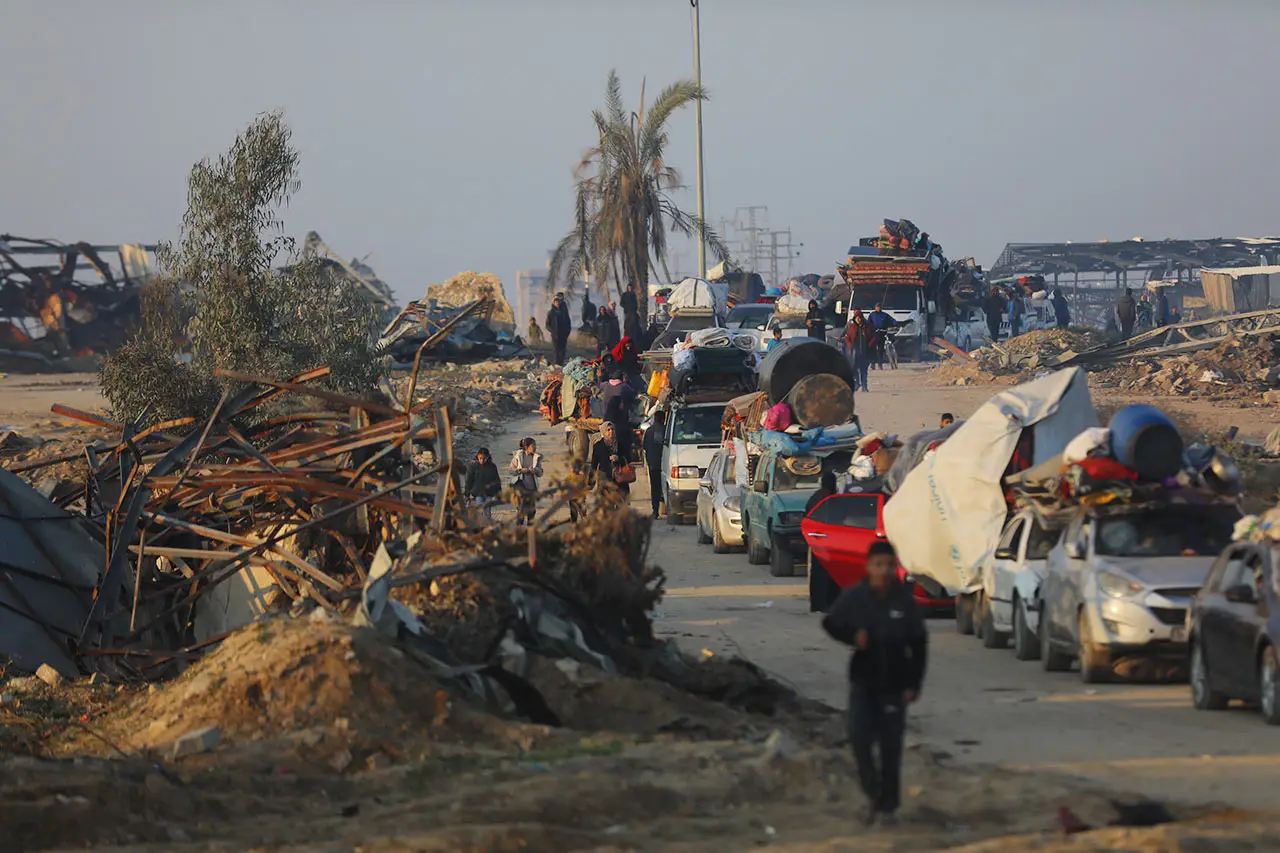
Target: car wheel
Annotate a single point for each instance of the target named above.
(822, 589)
(1051, 660)
(1026, 645)
(1269, 686)
(781, 561)
(964, 613)
(718, 544)
(1095, 663)
(1203, 697)
(756, 555)
(704, 538)
(991, 638)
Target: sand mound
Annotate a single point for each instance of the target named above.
(469, 286)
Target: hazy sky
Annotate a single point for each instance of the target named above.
(440, 136)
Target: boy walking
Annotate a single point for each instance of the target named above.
(878, 617)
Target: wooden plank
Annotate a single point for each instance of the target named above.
(952, 348)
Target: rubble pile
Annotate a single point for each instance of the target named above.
(468, 286)
(1017, 358)
(1237, 368)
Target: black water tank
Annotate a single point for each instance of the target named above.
(794, 359)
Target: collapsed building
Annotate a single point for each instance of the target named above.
(62, 301)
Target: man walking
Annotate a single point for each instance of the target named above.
(631, 313)
(653, 458)
(558, 327)
(1126, 313)
(879, 618)
(881, 323)
(1061, 311)
(993, 306)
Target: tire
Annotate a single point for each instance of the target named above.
(991, 638)
(1051, 660)
(1026, 645)
(964, 613)
(1203, 697)
(781, 561)
(756, 555)
(1095, 663)
(718, 544)
(1269, 686)
(822, 589)
(704, 538)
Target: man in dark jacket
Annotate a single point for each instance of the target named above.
(558, 327)
(1061, 310)
(653, 458)
(993, 306)
(825, 490)
(1162, 308)
(603, 331)
(631, 313)
(1126, 313)
(815, 322)
(483, 483)
(879, 618)
(882, 322)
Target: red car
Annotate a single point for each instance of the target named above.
(838, 532)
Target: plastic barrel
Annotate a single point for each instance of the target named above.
(794, 359)
(1144, 438)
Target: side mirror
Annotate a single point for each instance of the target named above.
(760, 486)
(1240, 594)
(704, 483)
(1005, 554)
(1075, 551)
(933, 306)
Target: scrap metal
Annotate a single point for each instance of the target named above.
(1179, 338)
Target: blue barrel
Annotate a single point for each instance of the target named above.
(1144, 438)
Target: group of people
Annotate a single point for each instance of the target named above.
(998, 305)
(865, 339)
(1144, 313)
(602, 322)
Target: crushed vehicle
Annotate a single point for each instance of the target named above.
(1234, 629)
(719, 510)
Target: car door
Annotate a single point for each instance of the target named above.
(840, 530)
(1213, 616)
(759, 497)
(705, 487)
(1003, 565)
(1243, 622)
(1066, 582)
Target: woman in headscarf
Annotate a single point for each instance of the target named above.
(526, 468)
(815, 321)
(607, 458)
(627, 358)
(859, 345)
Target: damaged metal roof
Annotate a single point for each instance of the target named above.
(1108, 257)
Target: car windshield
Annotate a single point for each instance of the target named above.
(697, 426)
(1041, 542)
(892, 297)
(1202, 531)
(786, 481)
(789, 322)
(749, 316)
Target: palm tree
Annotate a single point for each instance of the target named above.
(623, 206)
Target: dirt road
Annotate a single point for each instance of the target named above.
(980, 705)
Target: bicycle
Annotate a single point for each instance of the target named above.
(891, 347)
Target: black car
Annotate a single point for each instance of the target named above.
(1234, 625)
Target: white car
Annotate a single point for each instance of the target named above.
(719, 504)
(751, 319)
(1008, 603)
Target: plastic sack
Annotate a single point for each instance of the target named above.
(683, 359)
(657, 382)
(1084, 444)
(778, 418)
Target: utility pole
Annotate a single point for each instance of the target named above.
(697, 79)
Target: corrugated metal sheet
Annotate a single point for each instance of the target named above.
(49, 566)
(1238, 289)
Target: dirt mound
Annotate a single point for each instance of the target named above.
(1016, 359)
(1236, 368)
(469, 286)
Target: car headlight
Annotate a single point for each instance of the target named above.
(790, 517)
(686, 472)
(733, 504)
(1118, 586)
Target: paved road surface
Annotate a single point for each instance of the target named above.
(981, 705)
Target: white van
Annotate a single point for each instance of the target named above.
(693, 437)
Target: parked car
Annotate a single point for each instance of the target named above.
(751, 319)
(1234, 626)
(1120, 581)
(773, 507)
(692, 439)
(1008, 603)
(838, 531)
(719, 507)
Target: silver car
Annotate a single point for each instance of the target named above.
(1119, 582)
(719, 507)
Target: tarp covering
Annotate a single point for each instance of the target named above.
(48, 569)
(698, 293)
(948, 512)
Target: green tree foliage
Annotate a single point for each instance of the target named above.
(220, 293)
(623, 206)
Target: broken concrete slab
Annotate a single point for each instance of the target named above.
(49, 675)
(198, 741)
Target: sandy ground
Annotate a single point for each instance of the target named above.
(980, 705)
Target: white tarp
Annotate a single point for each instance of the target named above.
(699, 293)
(949, 511)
